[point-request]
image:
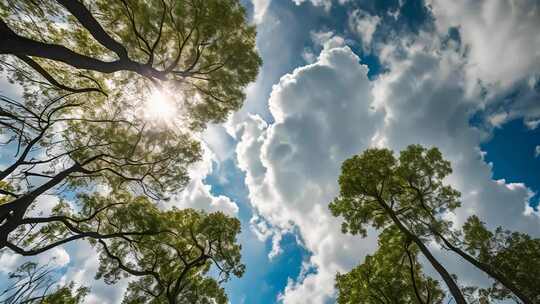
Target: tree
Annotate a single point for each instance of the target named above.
(377, 189)
(90, 72)
(82, 120)
(172, 252)
(422, 185)
(33, 283)
(201, 51)
(391, 275)
(512, 254)
(65, 147)
(175, 266)
(409, 193)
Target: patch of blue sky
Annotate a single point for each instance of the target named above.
(264, 278)
(512, 150)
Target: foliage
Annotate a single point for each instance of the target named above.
(32, 283)
(409, 192)
(391, 275)
(175, 266)
(65, 145)
(411, 187)
(90, 71)
(379, 190)
(66, 295)
(201, 51)
(513, 254)
(178, 256)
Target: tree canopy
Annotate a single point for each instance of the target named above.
(379, 190)
(201, 53)
(83, 132)
(91, 71)
(185, 263)
(177, 256)
(513, 254)
(63, 147)
(409, 193)
(391, 275)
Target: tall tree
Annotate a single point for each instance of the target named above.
(512, 254)
(202, 52)
(410, 193)
(91, 72)
(374, 189)
(422, 185)
(391, 275)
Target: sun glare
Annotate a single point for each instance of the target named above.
(160, 106)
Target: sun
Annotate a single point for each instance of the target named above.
(160, 106)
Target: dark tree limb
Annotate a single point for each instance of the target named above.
(445, 275)
(34, 65)
(15, 44)
(84, 16)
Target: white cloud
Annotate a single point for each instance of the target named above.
(364, 25)
(9, 262)
(260, 7)
(498, 119)
(537, 151)
(82, 269)
(322, 116)
(502, 37)
(532, 124)
(56, 257)
(43, 206)
(197, 194)
(327, 4)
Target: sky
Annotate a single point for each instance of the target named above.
(340, 76)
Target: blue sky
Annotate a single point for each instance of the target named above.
(512, 151)
(264, 278)
(339, 77)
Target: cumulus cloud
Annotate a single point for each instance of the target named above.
(55, 258)
(501, 36)
(323, 3)
(43, 206)
(322, 115)
(9, 262)
(82, 269)
(532, 124)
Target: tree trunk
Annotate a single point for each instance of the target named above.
(486, 269)
(447, 278)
